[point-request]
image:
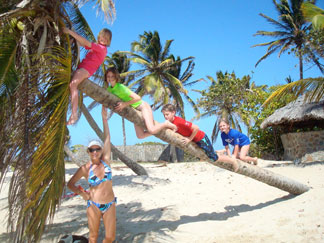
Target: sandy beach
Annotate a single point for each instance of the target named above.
(199, 202)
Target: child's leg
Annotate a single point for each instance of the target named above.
(206, 145)
(140, 133)
(77, 78)
(243, 155)
(228, 159)
(149, 121)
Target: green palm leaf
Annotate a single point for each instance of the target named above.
(313, 87)
(313, 14)
(46, 177)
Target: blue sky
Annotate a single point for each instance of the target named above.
(219, 34)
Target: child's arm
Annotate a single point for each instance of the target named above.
(134, 98)
(228, 152)
(81, 172)
(107, 146)
(194, 129)
(236, 150)
(83, 41)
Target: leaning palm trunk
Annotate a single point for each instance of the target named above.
(102, 96)
(138, 169)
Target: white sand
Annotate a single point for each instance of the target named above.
(198, 202)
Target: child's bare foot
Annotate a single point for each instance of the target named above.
(255, 161)
(170, 125)
(71, 120)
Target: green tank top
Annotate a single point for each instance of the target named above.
(123, 93)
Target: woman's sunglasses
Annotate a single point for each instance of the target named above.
(91, 150)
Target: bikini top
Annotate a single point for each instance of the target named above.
(93, 180)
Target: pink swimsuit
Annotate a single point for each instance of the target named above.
(94, 58)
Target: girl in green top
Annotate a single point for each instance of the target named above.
(130, 98)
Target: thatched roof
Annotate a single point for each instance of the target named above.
(298, 114)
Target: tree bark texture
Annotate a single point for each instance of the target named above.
(102, 96)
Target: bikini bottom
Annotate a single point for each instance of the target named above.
(102, 207)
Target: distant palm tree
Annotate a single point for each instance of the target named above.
(184, 77)
(291, 32)
(313, 87)
(154, 78)
(36, 61)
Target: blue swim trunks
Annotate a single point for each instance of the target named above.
(206, 145)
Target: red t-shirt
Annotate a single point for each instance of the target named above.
(94, 58)
(184, 128)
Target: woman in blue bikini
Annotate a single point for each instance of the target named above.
(100, 197)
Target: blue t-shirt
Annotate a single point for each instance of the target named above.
(234, 137)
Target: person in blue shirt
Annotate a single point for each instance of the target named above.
(240, 141)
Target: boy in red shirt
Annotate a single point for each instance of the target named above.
(191, 132)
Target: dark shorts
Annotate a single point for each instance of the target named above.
(206, 145)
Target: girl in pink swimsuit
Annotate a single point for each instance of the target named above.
(88, 66)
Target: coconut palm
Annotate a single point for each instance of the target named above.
(291, 33)
(35, 69)
(154, 77)
(313, 87)
(184, 77)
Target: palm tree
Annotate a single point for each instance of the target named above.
(100, 95)
(154, 77)
(184, 78)
(161, 75)
(35, 69)
(313, 87)
(291, 33)
(224, 99)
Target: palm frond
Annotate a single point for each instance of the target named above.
(166, 49)
(107, 7)
(313, 14)
(274, 22)
(46, 176)
(313, 87)
(79, 23)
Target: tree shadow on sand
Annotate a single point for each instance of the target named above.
(132, 220)
(77, 216)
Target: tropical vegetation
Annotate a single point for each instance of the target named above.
(223, 99)
(36, 61)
